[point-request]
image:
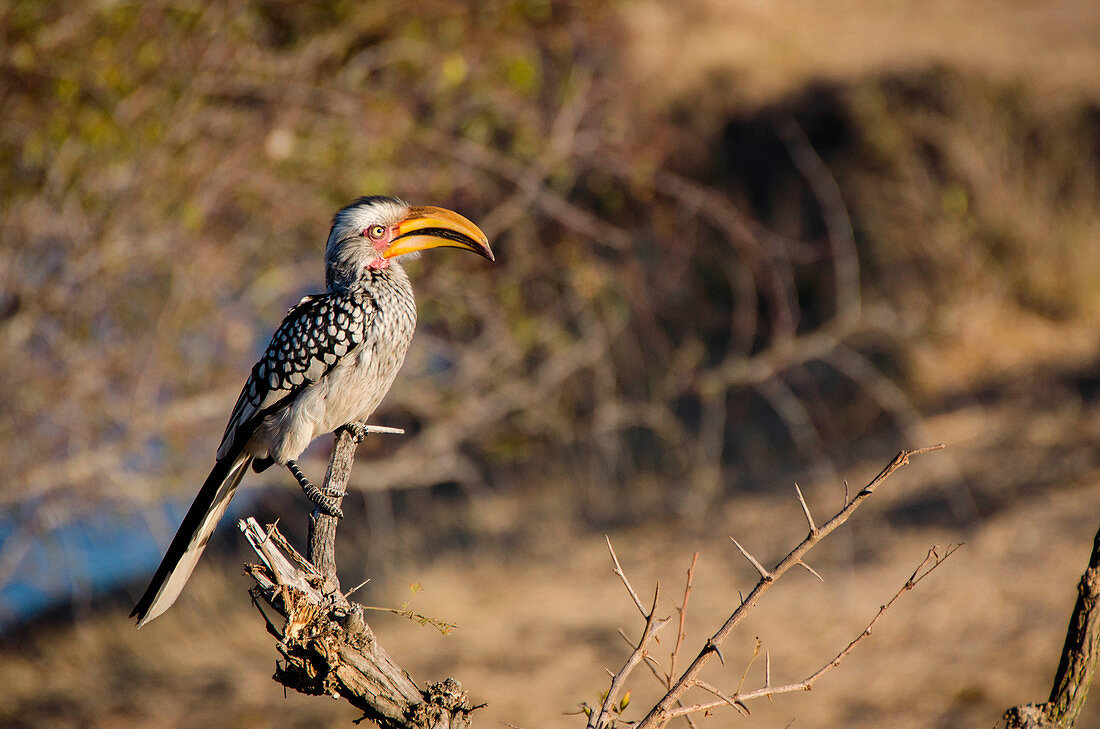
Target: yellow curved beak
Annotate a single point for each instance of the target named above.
(431, 227)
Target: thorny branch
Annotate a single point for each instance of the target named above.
(611, 705)
(930, 562)
(671, 704)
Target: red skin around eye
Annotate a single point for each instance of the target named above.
(379, 244)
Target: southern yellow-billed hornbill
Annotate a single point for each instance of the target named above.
(328, 366)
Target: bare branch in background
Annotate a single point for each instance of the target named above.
(833, 211)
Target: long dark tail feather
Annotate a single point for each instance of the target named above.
(191, 538)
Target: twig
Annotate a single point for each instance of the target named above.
(404, 611)
(605, 717)
(922, 571)
(355, 589)
(732, 701)
(745, 674)
(767, 669)
(662, 712)
(850, 363)
(618, 569)
(682, 609)
(655, 669)
(811, 570)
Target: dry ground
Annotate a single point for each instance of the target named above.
(775, 48)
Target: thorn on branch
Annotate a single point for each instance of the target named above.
(811, 570)
(764, 574)
(712, 647)
(806, 511)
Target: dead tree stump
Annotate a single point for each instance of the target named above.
(327, 646)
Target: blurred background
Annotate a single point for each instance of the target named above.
(740, 245)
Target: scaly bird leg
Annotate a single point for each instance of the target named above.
(324, 501)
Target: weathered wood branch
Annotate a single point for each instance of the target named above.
(1077, 666)
(326, 644)
(322, 527)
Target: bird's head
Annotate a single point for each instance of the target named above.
(370, 232)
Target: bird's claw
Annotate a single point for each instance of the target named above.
(325, 500)
(328, 505)
(358, 431)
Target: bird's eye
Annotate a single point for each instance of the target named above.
(376, 231)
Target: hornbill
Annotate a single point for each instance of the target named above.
(328, 366)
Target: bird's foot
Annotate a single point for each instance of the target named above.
(326, 502)
(359, 430)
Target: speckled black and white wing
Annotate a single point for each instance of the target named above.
(314, 336)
